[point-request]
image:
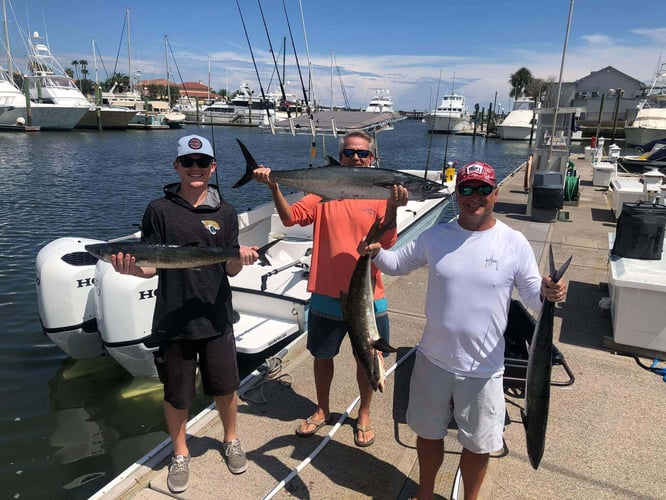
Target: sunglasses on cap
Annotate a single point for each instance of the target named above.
(202, 162)
(362, 153)
(482, 190)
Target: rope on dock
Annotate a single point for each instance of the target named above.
(330, 435)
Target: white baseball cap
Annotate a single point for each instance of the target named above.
(194, 144)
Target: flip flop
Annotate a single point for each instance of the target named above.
(318, 424)
(363, 429)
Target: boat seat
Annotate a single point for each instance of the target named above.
(295, 232)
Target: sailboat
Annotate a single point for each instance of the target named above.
(173, 117)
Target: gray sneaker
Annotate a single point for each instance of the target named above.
(234, 456)
(179, 474)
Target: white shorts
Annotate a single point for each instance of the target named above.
(477, 404)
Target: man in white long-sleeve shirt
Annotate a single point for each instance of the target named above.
(474, 262)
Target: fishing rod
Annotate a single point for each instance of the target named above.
(308, 109)
(256, 70)
(425, 174)
(448, 126)
(275, 64)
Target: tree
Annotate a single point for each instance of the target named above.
(520, 81)
(76, 68)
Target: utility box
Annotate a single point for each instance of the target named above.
(638, 294)
(625, 189)
(603, 171)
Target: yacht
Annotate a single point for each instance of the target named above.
(14, 111)
(451, 116)
(650, 122)
(520, 122)
(244, 109)
(381, 102)
(49, 84)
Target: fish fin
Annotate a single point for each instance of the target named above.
(381, 345)
(250, 166)
(332, 162)
(262, 252)
(523, 417)
(556, 274)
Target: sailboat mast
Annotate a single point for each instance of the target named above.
(9, 55)
(129, 51)
(166, 60)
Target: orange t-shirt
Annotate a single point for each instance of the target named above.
(339, 225)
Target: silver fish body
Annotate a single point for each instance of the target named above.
(336, 182)
(537, 380)
(170, 256)
(359, 315)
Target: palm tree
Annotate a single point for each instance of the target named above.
(76, 68)
(520, 81)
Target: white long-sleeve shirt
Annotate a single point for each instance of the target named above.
(471, 277)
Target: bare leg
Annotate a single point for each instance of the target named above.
(473, 468)
(227, 407)
(365, 391)
(176, 421)
(323, 375)
(431, 456)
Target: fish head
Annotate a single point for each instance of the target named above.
(424, 189)
(100, 250)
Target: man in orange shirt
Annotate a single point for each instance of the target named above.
(338, 227)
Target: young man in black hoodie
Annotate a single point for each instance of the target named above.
(193, 319)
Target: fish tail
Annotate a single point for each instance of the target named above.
(250, 166)
(262, 252)
(381, 345)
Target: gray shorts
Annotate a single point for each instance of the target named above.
(477, 404)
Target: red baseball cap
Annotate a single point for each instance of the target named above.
(476, 171)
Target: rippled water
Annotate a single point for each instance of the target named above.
(67, 428)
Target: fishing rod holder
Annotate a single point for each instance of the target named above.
(301, 262)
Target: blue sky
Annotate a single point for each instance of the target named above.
(376, 44)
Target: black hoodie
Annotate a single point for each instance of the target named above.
(191, 303)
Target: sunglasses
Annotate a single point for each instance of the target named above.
(203, 162)
(362, 153)
(483, 189)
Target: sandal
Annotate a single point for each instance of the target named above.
(318, 424)
(363, 429)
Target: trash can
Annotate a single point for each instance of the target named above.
(547, 190)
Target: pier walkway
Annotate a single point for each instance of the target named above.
(606, 432)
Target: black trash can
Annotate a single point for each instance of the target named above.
(548, 190)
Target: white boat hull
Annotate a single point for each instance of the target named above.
(637, 136)
(446, 125)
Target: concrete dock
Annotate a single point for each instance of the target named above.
(606, 432)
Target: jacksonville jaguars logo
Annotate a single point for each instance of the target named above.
(212, 226)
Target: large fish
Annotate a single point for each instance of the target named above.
(171, 256)
(537, 381)
(336, 182)
(359, 314)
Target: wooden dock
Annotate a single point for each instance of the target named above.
(605, 431)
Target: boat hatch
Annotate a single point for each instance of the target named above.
(253, 338)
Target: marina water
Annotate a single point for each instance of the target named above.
(68, 428)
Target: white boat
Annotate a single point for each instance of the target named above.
(50, 84)
(520, 123)
(14, 109)
(87, 309)
(451, 116)
(149, 120)
(244, 109)
(650, 122)
(381, 102)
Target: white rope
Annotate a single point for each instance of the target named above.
(330, 435)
